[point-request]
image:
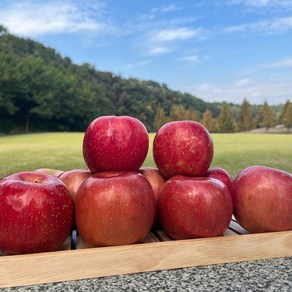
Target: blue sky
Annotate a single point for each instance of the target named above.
(223, 50)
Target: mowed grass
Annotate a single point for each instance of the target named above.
(63, 151)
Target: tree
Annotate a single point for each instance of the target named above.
(280, 120)
(266, 116)
(177, 113)
(225, 120)
(160, 118)
(208, 121)
(287, 117)
(191, 115)
(245, 118)
(3, 30)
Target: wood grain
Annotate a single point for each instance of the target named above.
(153, 255)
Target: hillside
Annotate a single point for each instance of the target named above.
(42, 91)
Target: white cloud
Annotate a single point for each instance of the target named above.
(271, 26)
(165, 40)
(190, 59)
(34, 18)
(262, 3)
(168, 8)
(274, 92)
(169, 35)
(158, 51)
(242, 82)
(156, 11)
(280, 64)
(138, 64)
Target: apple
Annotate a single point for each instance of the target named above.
(114, 208)
(36, 212)
(192, 207)
(156, 180)
(262, 198)
(113, 143)
(73, 179)
(222, 175)
(183, 147)
(52, 171)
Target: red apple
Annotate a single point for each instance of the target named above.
(183, 147)
(52, 171)
(114, 143)
(192, 207)
(36, 212)
(156, 180)
(222, 175)
(114, 208)
(262, 198)
(73, 179)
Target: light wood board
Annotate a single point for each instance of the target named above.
(158, 252)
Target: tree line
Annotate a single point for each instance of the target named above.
(42, 91)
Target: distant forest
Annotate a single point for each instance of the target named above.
(40, 90)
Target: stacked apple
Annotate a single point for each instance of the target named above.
(117, 201)
(191, 204)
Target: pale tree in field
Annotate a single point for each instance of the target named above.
(287, 117)
(191, 115)
(226, 123)
(160, 118)
(209, 122)
(245, 118)
(266, 116)
(178, 113)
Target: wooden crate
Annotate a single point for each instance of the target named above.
(158, 252)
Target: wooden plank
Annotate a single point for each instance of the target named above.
(77, 264)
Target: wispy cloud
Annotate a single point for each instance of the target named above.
(137, 64)
(280, 64)
(155, 51)
(169, 35)
(163, 41)
(256, 92)
(262, 3)
(156, 11)
(190, 59)
(271, 26)
(167, 8)
(53, 17)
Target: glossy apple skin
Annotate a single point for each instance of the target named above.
(114, 208)
(52, 171)
(222, 175)
(192, 207)
(73, 179)
(36, 212)
(113, 143)
(156, 180)
(183, 148)
(262, 199)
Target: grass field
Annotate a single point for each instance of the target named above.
(63, 151)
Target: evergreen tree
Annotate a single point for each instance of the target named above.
(160, 118)
(3, 30)
(266, 116)
(287, 117)
(245, 119)
(177, 113)
(280, 120)
(191, 115)
(225, 120)
(209, 122)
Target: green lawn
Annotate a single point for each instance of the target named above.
(64, 151)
